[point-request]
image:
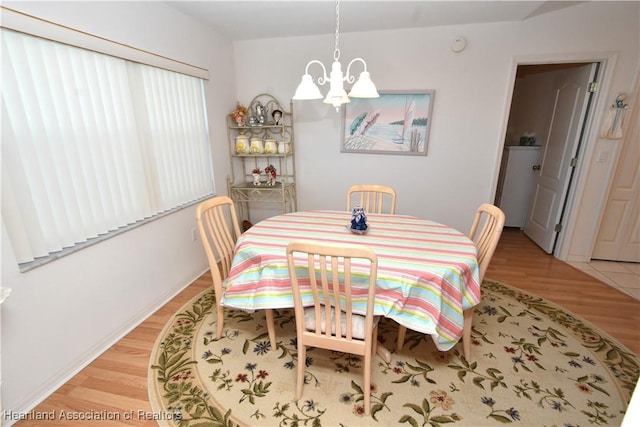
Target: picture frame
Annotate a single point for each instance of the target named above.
(377, 125)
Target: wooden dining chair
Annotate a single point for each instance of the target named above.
(327, 270)
(373, 198)
(485, 233)
(219, 230)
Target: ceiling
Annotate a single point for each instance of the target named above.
(247, 20)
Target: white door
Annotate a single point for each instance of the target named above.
(551, 183)
(619, 235)
(518, 183)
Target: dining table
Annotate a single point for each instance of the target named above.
(428, 272)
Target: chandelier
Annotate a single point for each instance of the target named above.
(363, 88)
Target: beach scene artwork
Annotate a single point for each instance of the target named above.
(394, 123)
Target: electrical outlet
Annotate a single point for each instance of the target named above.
(194, 234)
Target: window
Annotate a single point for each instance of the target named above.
(92, 144)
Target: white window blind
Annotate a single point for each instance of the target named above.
(92, 143)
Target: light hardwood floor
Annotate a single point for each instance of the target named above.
(116, 382)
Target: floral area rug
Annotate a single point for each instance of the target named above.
(534, 364)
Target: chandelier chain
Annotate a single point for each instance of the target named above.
(362, 88)
(336, 52)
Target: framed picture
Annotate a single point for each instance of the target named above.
(397, 122)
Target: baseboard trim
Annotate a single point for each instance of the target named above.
(63, 376)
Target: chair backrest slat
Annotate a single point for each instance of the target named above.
(219, 230)
(338, 272)
(328, 270)
(485, 232)
(372, 198)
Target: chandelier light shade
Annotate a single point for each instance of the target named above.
(363, 87)
(307, 89)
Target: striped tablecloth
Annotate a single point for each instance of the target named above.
(427, 272)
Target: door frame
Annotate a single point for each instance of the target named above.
(579, 231)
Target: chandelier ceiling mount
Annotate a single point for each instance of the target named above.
(363, 87)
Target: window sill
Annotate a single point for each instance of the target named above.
(27, 266)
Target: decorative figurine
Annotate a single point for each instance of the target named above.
(358, 219)
(239, 115)
(256, 176)
(271, 175)
(277, 117)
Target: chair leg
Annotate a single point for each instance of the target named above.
(271, 327)
(367, 383)
(302, 358)
(219, 321)
(374, 345)
(379, 349)
(466, 333)
(402, 331)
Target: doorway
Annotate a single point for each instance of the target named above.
(550, 106)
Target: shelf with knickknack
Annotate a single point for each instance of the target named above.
(261, 143)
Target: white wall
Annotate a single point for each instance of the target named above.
(472, 100)
(63, 314)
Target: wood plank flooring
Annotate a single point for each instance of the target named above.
(519, 262)
(115, 384)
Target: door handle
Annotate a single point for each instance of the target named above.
(536, 167)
